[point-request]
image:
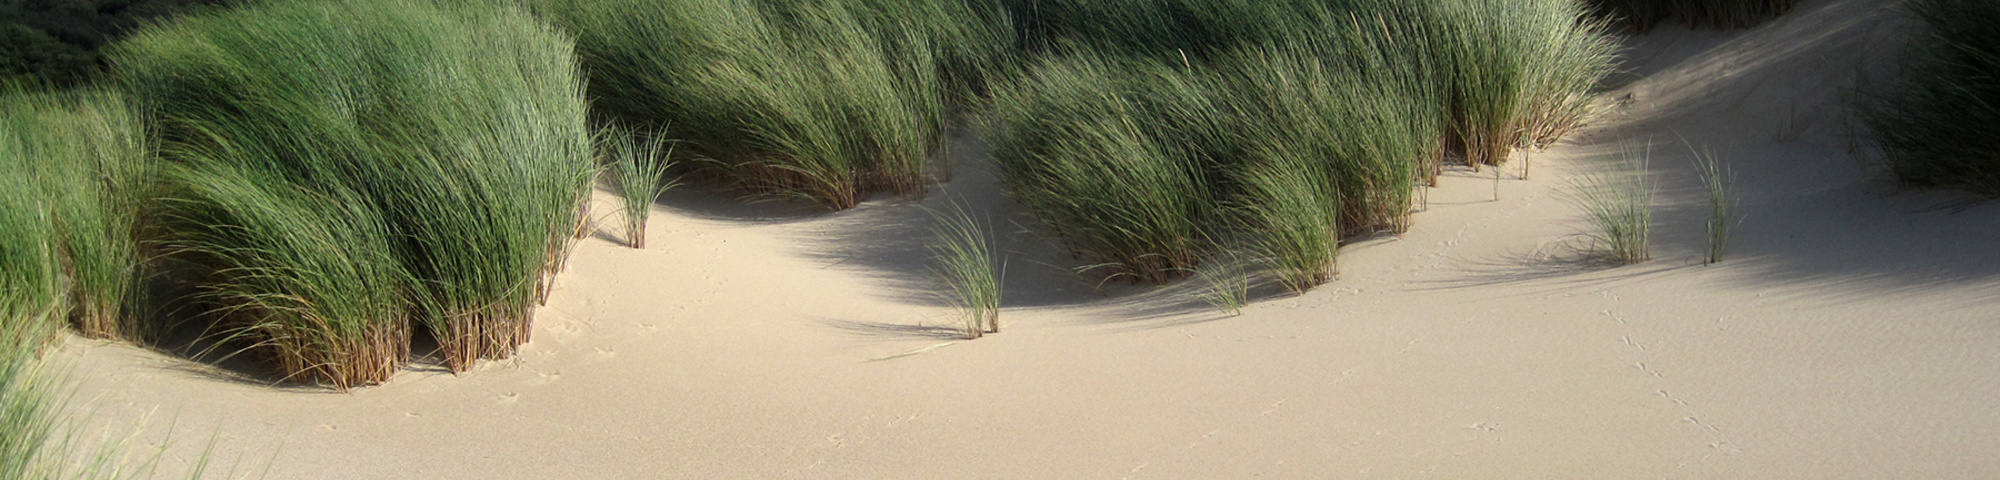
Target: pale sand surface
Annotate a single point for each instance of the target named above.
(1854, 334)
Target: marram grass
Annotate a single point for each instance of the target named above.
(640, 163)
(964, 257)
(827, 100)
(346, 167)
(1147, 129)
(1618, 204)
(84, 152)
(1938, 120)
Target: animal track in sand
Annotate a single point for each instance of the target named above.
(1640, 353)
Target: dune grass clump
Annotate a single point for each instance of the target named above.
(1113, 157)
(1619, 207)
(1326, 148)
(1149, 128)
(309, 275)
(966, 262)
(1518, 73)
(33, 287)
(825, 100)
(1938, 121)
(344, 167)
(1642, 15)
(640, 164)
(84, 152)
(1720, 183)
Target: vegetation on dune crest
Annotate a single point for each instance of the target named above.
(1152, 128)
(342, 167)
(1938, 121)
(826, 100)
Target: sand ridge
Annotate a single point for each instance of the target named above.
(1851, 335)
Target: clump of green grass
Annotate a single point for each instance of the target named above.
(1642, 15)
(1938, 121)
(1619, 206)
(641, 163)
(1720, 183)
(1519, 73)
(966, 262)
(84, 151)
(415, 159)
(309, 275)
(33, 287)
(828, 101)
(1110, 156)
(1309, 121)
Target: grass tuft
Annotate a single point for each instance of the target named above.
(640, 162)
(1720, 182)
(966, 262)
(1225, 282)
(1619, 206)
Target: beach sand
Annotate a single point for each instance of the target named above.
(1853, 333)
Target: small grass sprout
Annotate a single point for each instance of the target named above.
(1619, 207)
(640, 163)
(964, 259)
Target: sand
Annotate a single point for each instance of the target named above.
(1854, 333)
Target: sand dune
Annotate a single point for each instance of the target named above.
(1851, 335)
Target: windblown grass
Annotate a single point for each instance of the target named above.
(825, 100)
(33, 287)
(1619, 207)
(641, 163)
(1720, 182)
(966, 262)
(1642, 15)
(85, 153)
(343, 167)
(1520, 72)
(1938, 121)
(1110, 156)
(1325, 148)
(1151, 127)
(1225, 282)
(310, 275)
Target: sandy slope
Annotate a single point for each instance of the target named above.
(1855, 334)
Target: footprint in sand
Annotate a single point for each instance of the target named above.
(606, 353)
(509, 398)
